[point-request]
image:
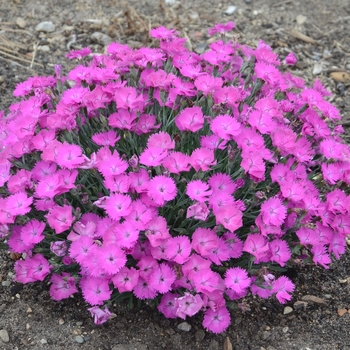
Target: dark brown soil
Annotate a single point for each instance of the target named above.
(31, 318)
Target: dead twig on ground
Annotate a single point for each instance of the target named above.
(35, 49)
(18, 64)
(188, 40)
(19, 58)
(281, 3)
(132, 15)
(11, 43)
(299, 35)
(5, 48)
(6, 29)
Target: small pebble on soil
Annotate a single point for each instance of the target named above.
(79, 339)
(184, 326)
(342, 312)
(46, 27)
(287, 310)
(4, 336)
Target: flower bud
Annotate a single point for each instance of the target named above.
(269, 278)
(239, 183)
(67, 260)
(134, 161)
(4, 230)
(59, 248)
(260, 195)
(291, 59)
(85, 199)
(77, 212)
(58, 70)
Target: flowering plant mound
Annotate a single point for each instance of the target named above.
(185, 179)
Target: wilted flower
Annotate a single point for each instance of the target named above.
(100, 315)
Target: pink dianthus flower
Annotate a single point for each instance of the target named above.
(20, 181)
(118, 205)
(213, 142)
(321, 256)
(112, 165)
(229, 217)
(204, 240)
(122, 119)
(141, 214)
(196, 263)
(188, 305)
(222, 182)
(95, 290)
(217, 321)
(36, 268)
(60, 218)
(208, 84)
(167, 305)
(126, 279)
(162, 278)
(222, 253)
(202, 159)
(32, 231)
(253, 164)
(290, 59)
(80, 248)
(337, 246)
(237, 279)
(126, 98)
(161, 140)
(198, 190)
(143, 291)
(221, 28)
(125, 234)
(69, 156)
(282, 287)
(18, 203)
(146, 266)
(225, 127)
(176, 162)
(62, 287)
(178, 249)
(117, 183)
(273, 212)
(146, 124)
(111, 258)
(48, 187)
(199, 211)
(78, 54)
(257, 245)
(39, 267)
(153, 156)
(205, 282)
(235, 245)
(163, 33)
(108, 138)
(161, 189)
(220, 200)
(190, 119)
(280, 251)
(157, 231)
(138, 180)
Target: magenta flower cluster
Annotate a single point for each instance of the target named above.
(171, 176)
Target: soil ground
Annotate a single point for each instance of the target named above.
(31, 319)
